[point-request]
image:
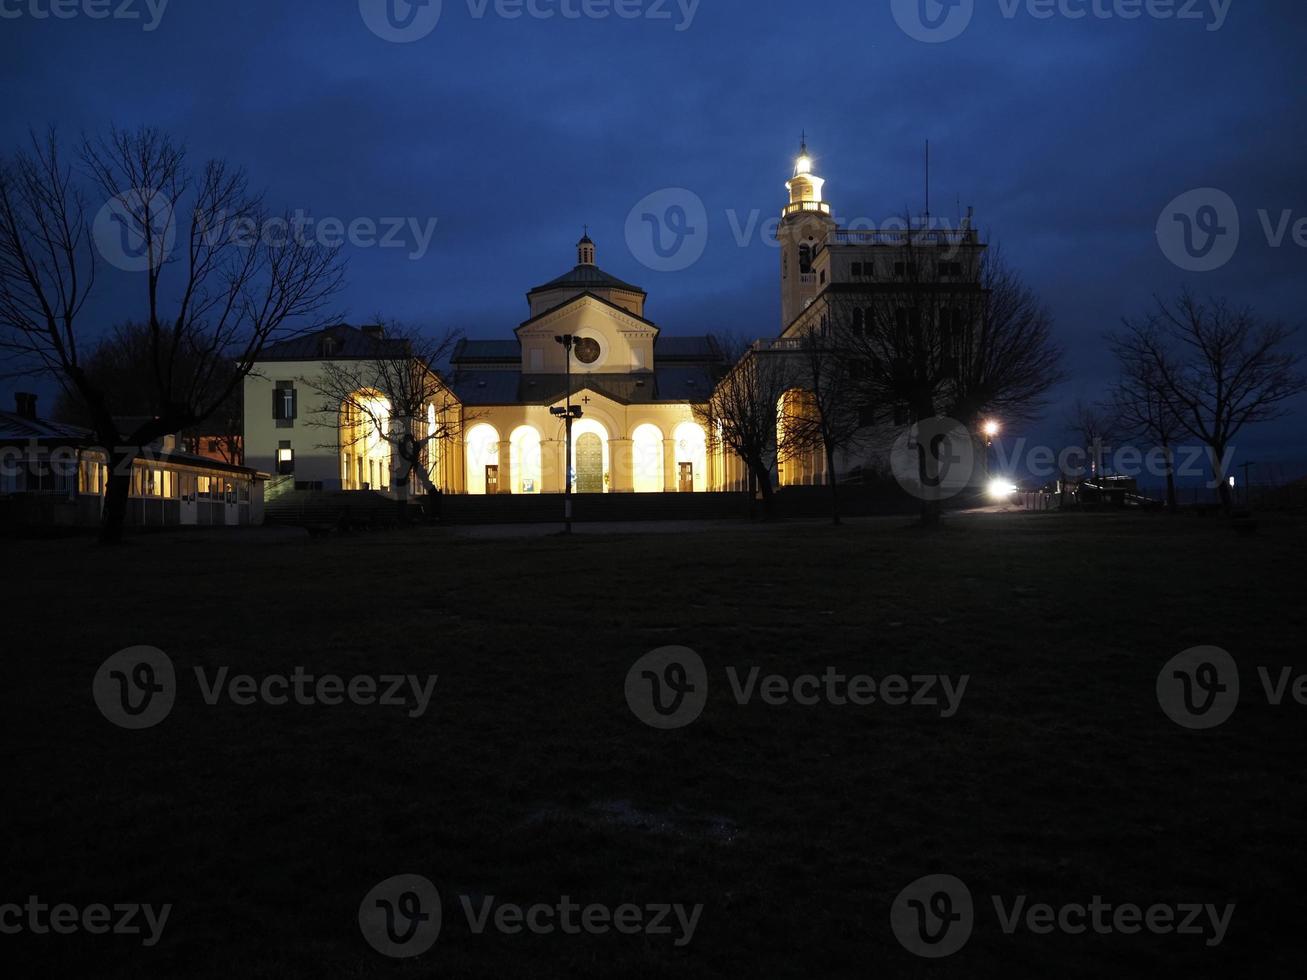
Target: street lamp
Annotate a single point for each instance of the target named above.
(570, 414)
(991, 428)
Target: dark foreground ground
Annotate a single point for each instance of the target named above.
(529, 778)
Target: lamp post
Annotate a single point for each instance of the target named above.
(569, 414)
(1247, 487)
(991, 430)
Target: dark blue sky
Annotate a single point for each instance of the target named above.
(1069, 137)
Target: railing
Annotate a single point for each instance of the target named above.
(817, 207)
(777, 343)
(807, 278)
(903, 236)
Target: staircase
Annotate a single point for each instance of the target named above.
(326, 511)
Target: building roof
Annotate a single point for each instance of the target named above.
(18, 429)
(350, 343)
(591, 296)
(487, 350)
(587, 277)
(687, 349)
(673, 384)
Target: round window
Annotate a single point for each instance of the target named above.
(587, 350)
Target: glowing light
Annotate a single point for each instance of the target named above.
(992, 428)
(1001, 489)
(803, 165)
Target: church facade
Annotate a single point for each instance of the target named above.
(585, 345)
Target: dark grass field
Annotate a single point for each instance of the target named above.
(529, 778)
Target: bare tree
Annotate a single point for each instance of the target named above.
(397, 397)
(1094, 427)
(1007, 362)
(1218, 368)
(828, 417)
(215, 287)
(948, 330)
(741, 415)
(120, 364)
(1142, 411)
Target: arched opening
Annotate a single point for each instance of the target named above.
(483, 459)
(431, 450)
(525, 462)
(647, 458)
(796, 413)
(364, 441)
(691, 458)
(590, 459)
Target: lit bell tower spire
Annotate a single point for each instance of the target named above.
(805, 187)
(806, 223)
(585, 249)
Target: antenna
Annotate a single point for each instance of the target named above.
(927, 183)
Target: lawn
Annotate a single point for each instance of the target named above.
(529, 778)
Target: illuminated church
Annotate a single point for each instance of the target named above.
(639, 430)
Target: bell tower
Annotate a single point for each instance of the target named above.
(805, 224)
(585, 250)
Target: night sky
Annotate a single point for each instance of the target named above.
(1068, 136)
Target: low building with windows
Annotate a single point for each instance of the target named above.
(56, 474)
